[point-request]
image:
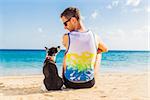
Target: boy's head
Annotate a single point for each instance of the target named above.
(71, 12)
(71, 18)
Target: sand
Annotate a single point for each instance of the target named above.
(110, 86)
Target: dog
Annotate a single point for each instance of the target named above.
(52, 80)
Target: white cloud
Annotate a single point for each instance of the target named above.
(113, 4)
(148, 9)
(82, 17)
(40, 30)
(123, 38)
(135, 39)
(109, 7)
(136, 10)
(133, 2)
(141, 31)
(133, 6)
(94, 14)
(118, 33)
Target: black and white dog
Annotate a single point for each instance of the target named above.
(52, 81)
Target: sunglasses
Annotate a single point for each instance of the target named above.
(65, 23)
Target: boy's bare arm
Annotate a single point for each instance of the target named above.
(65, 43)
(101, 45)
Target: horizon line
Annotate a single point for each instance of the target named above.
(64, 49)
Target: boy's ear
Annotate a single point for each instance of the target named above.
(73, 19)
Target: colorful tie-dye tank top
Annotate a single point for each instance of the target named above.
(80, 57)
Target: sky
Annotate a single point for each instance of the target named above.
(34, 24)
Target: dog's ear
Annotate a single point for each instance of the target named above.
(46, 48)
(58, 48)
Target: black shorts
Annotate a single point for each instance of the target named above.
(69, 84)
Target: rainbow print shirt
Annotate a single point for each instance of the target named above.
(80, 58)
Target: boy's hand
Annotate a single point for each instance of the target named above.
(99, 51)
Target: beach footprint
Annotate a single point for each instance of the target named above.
(103, 96)
(1, 85)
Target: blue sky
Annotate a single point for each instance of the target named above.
(34, 24)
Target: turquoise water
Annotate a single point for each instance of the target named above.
(30, 62)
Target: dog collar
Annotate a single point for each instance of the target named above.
(49, 58)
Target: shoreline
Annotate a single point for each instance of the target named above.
(100, 72)
(110, 86)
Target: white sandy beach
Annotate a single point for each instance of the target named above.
(111, 86)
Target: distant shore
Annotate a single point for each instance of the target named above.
(110, 86)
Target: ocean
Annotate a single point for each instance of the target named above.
(30, 62)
